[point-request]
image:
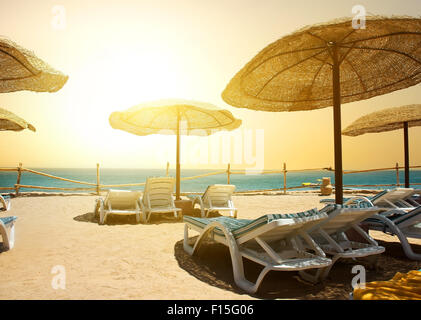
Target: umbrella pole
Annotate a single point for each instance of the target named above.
(337, 126)
(406, 146)
(177, 175)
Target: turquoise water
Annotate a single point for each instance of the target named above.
(242, 182)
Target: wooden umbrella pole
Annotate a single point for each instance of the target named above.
(337, 126)
(406, 146)
(177, 177)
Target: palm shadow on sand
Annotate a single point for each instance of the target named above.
(212, 265)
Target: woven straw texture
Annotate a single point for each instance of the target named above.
(160, 117)
(10, 121)
(385, 120)
(295, 72)
(20, 69)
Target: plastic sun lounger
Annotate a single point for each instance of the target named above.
(217, 197)
(270, 240)
(121, 202)
(400, 223)
(5, 203)
(7, 231)
(399, 198)
(158, 198)
(330, 235)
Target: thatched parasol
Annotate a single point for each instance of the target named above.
(387, 120)
(166, 117)
(20, 70)
(11, 122)
(329, 64)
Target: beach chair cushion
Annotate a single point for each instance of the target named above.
(7, 220)
(239, 227)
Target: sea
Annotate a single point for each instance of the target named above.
(243, 182)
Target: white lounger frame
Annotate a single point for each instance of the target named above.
(389, 200)
(330, 235)
(7, 232)
(217, 197)
(403, 227)
(158, 198)
(5, 203)
(122, 202)
(291, 257)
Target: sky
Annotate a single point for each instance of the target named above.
(118, 54)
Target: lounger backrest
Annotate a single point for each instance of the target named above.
(122, 199)
(280, 226)
(218, 194)
(268, 227)
(159, 191)
(341, 218)
(393, 195)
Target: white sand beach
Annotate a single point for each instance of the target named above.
(125, 260)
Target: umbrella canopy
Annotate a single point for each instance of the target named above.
(329, 64)
(175, 116)
(10, 121)
(389, 119)
(20, 69)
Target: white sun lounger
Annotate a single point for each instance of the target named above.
(217, 197)
(330, 235)
(398, 198)
(7, 231)
(400, 223)
(4, 203)
(158, 198)
(122, 202)
(269, 240)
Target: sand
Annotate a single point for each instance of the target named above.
(125, 260)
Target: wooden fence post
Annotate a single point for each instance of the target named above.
(397, 174)
(168, 169)
(18, 179)
(228, 174)
(285, 178)
(97, 179)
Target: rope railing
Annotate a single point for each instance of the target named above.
(97, 187)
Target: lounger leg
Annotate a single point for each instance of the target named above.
(101, 213)
(96, 208)
(8, 237)
(11, 241)
(406, 246)
(236, 258)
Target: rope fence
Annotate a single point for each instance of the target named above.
(97, 187)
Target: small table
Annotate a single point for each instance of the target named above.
(186, 205)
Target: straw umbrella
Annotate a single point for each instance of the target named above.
(389, 119)
(11, 122)
(20, 69)
(176, 116)
(329, 64)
